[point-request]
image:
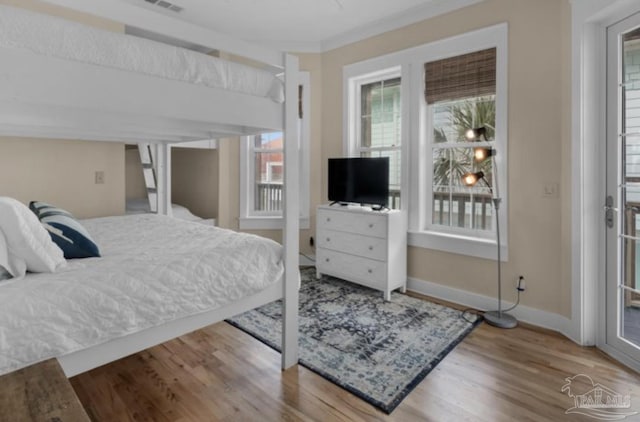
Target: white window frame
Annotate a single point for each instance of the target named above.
(422, 232)
(362, 73)
(250, 219)
(354, 83)
(416, 168)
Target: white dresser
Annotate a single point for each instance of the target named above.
(363, 246)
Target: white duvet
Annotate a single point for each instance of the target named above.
(64, 39)
(153, 269)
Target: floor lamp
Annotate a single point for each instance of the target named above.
(496, 318)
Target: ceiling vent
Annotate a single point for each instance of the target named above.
(166, 5)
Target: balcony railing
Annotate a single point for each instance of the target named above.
(268, 196)
(449, 209)
(462, 210)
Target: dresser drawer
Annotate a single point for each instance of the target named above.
(368, 224)
(350, 267)
(355, 244)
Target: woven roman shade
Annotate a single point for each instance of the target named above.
(454, 78)
(633, 35)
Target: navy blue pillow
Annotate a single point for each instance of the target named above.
(65, 231)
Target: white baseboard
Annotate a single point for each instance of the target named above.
(620, 357)
(523, 313)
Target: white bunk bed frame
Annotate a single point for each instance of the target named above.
(48, 97)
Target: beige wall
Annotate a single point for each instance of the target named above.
(194, 180)
(63, 173)
(539, 145)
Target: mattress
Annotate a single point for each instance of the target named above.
(153, 269)
(141, 206)
(51, 36)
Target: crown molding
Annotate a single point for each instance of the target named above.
(408, 17)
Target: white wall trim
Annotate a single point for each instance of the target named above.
(416, 14)
(462, 245)
(620, 357)
(523, 313)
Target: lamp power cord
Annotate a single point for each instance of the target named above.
(519, 288)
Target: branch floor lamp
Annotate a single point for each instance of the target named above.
(497, 318)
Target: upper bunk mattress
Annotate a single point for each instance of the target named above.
(51, 36)
(153, 270)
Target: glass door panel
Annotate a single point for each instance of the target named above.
(623, 187)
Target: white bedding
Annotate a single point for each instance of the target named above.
(64, 39)
(153, 269)
(141, 206)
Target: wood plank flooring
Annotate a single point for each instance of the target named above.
(222, 374)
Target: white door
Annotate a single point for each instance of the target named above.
(623, 187)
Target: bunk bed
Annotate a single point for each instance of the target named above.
(50, 90)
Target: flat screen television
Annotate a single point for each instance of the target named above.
(359, 180)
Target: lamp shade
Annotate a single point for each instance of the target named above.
(470, 179)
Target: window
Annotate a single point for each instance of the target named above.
(415, 105)
(460, 95)
(377, 122)
(267, 150)
(262, 173)
(462, 85)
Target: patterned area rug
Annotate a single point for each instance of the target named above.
(377, 350)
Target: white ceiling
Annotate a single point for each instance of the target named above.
(303, 25)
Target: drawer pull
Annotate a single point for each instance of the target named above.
(370, 248)
(370, 225)
(328, 239)
(326, 259)
(328, 219)
(370, 270)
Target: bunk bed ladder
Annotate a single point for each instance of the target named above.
(149, 172)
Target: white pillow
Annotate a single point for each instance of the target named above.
(10, 266)
(27, 239)
(5, 272)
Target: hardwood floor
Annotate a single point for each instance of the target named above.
(222, 374)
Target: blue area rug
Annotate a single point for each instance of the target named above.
(377, 350)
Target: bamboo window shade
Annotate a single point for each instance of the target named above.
(464, 76)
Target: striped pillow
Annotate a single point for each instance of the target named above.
(65, 231)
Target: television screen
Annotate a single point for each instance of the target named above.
(359, 180)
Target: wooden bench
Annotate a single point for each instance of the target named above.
(40, 392)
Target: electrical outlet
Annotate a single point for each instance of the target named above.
(311, 241)
(520, 284)
(99, 177)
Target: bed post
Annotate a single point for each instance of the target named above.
(291, 216)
